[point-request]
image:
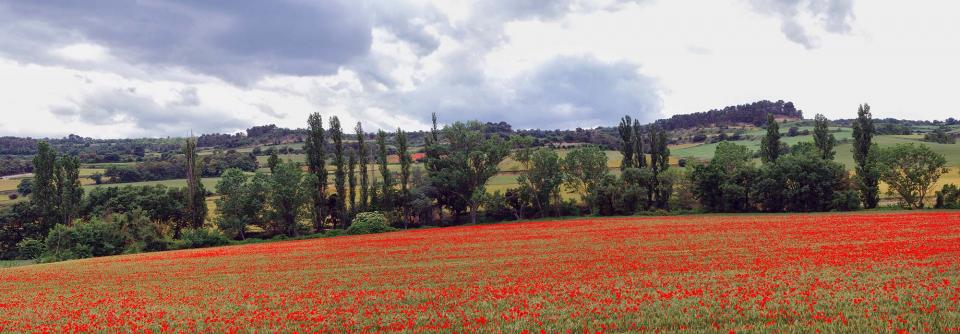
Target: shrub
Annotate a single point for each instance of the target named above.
(28, 249)
(82, 240)
(848, 200)
(12, 196)
(495, 207)
(201, 237)
(948, 197)
(369, 222)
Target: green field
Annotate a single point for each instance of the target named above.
(209, 183)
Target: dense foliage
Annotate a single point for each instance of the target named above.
(754, 113)
(170, 166)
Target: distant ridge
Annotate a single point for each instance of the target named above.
(753, 113)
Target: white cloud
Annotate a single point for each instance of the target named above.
(84, 52)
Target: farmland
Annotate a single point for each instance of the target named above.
(861, 272)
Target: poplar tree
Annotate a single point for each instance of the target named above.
(315, 145)
(68, 188)
(44, 197)
(627, 143)
(336, 135)
(352, 180)
(865, 155)
(403, 152)
(387, 184)
(362, 155)
(196, 203)
(638, 144)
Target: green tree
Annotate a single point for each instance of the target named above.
(352, 180)
(724, 185)
(403, 152)
(232, 210)
(865, 155)
(823, 139)
(315, 146)
(471, 160)
(543, 179)
(196, 194)
(433, 160)
(658, 194)
(801, 181)
(638, 145)
(770, 145)
(45, 195)
(584, 168)
(273, 161)
(386, 197)
(627, 142)
(68, 187)
(363, 156)
(336, 134)
(287, 197)
(911, 170)
(25, 187)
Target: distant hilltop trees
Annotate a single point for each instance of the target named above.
(754, 113)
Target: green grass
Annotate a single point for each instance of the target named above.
(209, 183)
(15, 263)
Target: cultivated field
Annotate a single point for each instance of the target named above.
(860, 272)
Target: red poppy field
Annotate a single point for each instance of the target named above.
(896, 272)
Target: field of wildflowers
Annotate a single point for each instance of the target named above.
(892, 272)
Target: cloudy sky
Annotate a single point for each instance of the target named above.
(134, 68)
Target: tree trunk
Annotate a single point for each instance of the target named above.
(473, 212)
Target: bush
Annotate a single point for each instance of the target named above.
(948, 197)
(495, 207)
(13, 196)
(82, 240)
(848, 200)
(201, 237)
(369, 222)
(28, 249)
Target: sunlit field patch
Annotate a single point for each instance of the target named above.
(742, 273)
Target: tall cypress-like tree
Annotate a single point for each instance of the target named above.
(627, 143)
(663, 184)
(654, 153)
(68, 187)
(362, 158)
(403, 152)
(770, 145)
(336, 135)
(196, 203)
(44, 196)
(864, 153)
(638, 145)
(385, 198)
(433, 164)
(352, 180)
(315, 146)
(822, 138)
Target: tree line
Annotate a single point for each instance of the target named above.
(348, 184)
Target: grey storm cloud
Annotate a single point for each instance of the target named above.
(565, 92)
(113, 106)
(834, 16)
(236, 40)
